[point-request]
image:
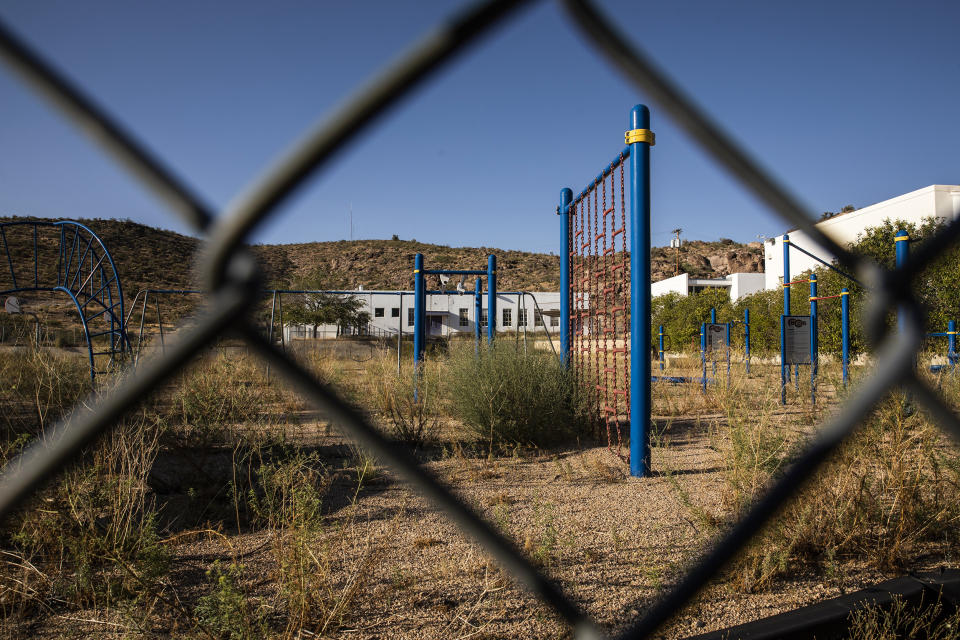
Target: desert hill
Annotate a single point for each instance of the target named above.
(148, 257)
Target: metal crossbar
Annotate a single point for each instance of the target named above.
(231, 278)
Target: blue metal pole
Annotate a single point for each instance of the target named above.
(783, 356)
(786, 296)
(845, 332)
(703, 353)
(815, 342)
(729, 324)
(477, 312)
(566, 197)
(491, 298)
(952, 342)
(640, 140)
(786, 274)
(713, 356)
(419, 301)
(660, 335)
(746, 337)
(902, 243)
(814, 337)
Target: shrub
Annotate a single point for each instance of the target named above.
(888, 493)
(506, 396)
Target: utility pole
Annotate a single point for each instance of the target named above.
(675, 243)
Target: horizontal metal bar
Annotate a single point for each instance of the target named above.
(622, 156)
(825, 263)
(454, 272)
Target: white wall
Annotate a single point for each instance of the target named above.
(738, 284)
(743, 284)
(447, 307)
(938, 201)
(676, 284)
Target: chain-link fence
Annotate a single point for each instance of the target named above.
(231, 277)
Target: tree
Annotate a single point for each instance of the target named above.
(317, 307)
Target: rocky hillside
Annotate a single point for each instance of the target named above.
(707, 259)
(154, 258)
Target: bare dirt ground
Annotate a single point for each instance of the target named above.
(394, 566)
(611, 541)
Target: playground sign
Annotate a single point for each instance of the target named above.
(716, 336)
(796, 339)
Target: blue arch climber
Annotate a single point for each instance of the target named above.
(69, 258)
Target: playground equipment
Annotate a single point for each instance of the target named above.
(799, 337)
(68, 257)
(420, 302)
(605, 296)
(951, 335)
(714, 339)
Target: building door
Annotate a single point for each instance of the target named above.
(436, 325)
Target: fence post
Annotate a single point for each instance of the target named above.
(746, 337)
(477, 313)
(419, 301)
(491, 298)
(901, 241)
(845, 331)
(640, 139)
(566, 196)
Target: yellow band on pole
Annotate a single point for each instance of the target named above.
(639, 135)
(901, 238)
(844, 293)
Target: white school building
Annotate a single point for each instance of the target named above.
(736, 284)
(447, 314)
(935, 201)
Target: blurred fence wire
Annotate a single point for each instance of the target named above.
(231, 278)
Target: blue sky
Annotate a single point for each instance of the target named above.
(848, 103)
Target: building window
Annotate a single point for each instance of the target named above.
(409, 317)
(464, 321)
(538, 318)
(507, 319)
(395, 312)
(521, 317)
(378, 312)
(554, 321)
(483, 317)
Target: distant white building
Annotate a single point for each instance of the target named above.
(936, 201)
(737, 285)
(391, 312)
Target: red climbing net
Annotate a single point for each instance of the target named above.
(600, 300)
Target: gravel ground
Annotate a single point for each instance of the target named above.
(614, 543)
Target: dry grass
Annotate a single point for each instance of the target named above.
(289, 531)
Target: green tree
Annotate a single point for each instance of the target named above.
(317, 307)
